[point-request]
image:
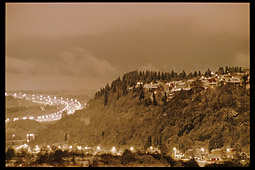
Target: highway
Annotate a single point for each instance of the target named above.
(69, 105)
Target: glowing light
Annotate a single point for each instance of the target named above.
(113, 149)
(151, 147)
(131, 148)
(202, 149)
(98, 147)
(70, 147)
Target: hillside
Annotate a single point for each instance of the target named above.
(16, 107)
(22, 127)
(213, 118)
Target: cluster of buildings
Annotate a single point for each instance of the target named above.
(214, 156)
(207, 82)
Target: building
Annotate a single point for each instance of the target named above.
(150, 87)
(235, 81)
(246, 70)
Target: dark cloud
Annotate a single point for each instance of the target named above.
(88, 45)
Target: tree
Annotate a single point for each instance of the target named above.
(154, 99)
(208, 73)
(216, 142)
(164, 98)
(226, 70)
(10, 153)
(221, 71)
(184, 74)
(141, 97)
(118, 95)
(148, 143)
(195, 74)
(244, 78)
(66, 137)
(57, 156)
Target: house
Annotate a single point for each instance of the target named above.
(205, 83)
(235, 81)
(212, 81)
(138, 84)
(189, 82)
(150, 87)
(246, 70)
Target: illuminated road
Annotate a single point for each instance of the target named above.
(70, 106)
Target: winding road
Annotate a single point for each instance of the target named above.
(70, 106)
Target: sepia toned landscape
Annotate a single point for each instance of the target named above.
(127, 85)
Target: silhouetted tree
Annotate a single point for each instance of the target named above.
(195, 74)
(10, 153)
(141, 97)
(221, 71)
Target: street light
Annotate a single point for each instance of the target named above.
(174, 151)
(113, 149)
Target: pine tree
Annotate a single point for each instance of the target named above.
(199, 73)
(226, 70)
(221, 71)
(195, 74)
(184, 74)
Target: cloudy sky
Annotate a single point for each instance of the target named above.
(86, 45)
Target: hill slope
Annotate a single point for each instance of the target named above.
(211, 118)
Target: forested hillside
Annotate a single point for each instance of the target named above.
(212, 118)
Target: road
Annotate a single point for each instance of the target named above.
(70, 106)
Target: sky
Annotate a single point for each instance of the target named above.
(62, 46)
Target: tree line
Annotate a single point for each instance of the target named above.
(120, 86)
